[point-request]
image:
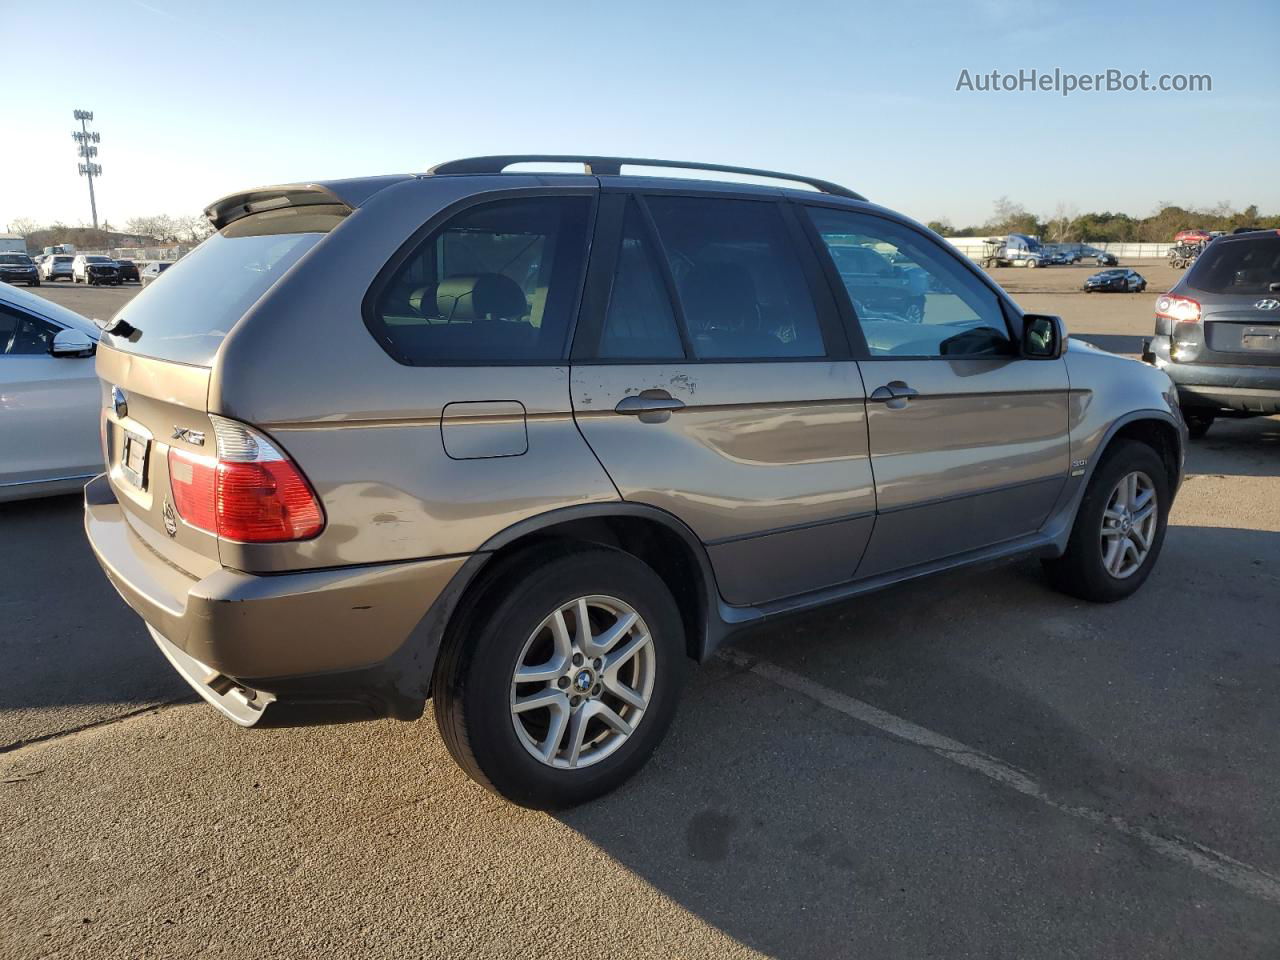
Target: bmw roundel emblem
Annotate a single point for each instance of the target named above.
(170, 518)
(118, 403)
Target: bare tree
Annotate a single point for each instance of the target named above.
(24, 226)
(1062, 226)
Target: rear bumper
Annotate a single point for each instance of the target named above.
(1243, 388)
(307, 647)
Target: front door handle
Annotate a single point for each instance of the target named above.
(895, 394)
(651, 406)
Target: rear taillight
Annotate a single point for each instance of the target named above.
(1178, 309)
(251, 491)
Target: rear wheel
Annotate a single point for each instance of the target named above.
(562, 678)
(1119, 528)
(1198, 424)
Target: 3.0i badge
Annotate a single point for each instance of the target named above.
(170, 518)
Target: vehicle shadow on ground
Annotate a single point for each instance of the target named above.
(1241, 448)
(800, 832)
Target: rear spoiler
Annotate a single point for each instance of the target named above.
(348, 193)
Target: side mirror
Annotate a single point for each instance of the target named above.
(71, 343)
(1043, 337)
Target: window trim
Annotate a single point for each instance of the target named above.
(1010, 312)
(406, 250)
(831, 329)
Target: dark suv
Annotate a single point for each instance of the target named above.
(1218, 331)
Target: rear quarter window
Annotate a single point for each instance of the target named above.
(1248, 267)
(204, 295)
(496, 283)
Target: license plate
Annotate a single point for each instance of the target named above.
(133, 459)
(1261, 338)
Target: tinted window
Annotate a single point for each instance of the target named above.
(495, 284)
(187, 317)
(740, 282)
(640, 323)
(912, 297)
(21, 258)
(1238, 266)
(21, 335)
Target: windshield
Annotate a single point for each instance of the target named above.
(187, 316)
(1248, 267)
(98, 260)
(14, 258)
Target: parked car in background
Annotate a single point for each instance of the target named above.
(1192, 236)
(1076, 252)
(1115, 281)
(56, 266)
(356, 462)
(128, 270)
(1217, 331)
(153, 270)
(18, 268)
(93, 269)
(49, 397)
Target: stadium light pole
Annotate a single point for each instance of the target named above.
(87, 151)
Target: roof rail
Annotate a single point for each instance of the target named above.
(612, 167)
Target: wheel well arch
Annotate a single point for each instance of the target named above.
(1158, 434)
(653, 536)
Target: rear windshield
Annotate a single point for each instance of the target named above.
(186, 316)
(1247, 267)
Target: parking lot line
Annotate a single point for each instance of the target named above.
(1242, 876)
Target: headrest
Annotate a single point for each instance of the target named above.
(423, 300)
(719, 296)
(485, 296)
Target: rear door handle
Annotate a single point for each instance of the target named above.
(894, 395)
(651, 406)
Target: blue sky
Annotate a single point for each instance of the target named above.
(195, 100)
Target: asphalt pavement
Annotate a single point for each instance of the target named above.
(970, 766)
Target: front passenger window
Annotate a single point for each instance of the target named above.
(21, 335)
(912, 298)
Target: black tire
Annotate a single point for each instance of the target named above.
(34, 283)
(472, 683)
(1080, 571)
(1198, 424)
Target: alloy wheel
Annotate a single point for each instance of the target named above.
(582, 682)
(1129, 525)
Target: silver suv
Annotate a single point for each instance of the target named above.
(522, 444)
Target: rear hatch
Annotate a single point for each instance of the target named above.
(1237, 284)
(156, 359)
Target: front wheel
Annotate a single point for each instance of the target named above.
(562, 678)
(1119, 528)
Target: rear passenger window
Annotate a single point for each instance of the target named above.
(495, 284)
(740, 282)
(640, 323)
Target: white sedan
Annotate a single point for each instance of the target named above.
(50, 399)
